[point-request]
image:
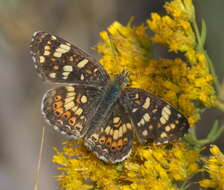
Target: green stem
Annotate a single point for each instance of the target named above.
(220, 105)
(212, 70)
(185, 185)
(201, 49)
(213, 135)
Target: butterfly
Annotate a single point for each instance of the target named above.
(104, 111)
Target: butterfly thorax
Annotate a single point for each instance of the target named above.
(113, 89)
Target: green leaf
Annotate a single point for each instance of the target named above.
(203, 32)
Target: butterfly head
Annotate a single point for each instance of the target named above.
(122, 79)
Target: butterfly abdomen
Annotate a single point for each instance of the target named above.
(108, 98)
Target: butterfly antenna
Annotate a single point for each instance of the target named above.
(114, 52)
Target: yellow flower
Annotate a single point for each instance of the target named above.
(180, 9)
(132, 48)
(149, 167)
(215, 168)
(176, 34)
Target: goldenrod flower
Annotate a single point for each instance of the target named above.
(215, 168)
(132, 48)
(149, 167)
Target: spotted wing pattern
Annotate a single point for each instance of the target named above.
(154, 119)
(70, 108)
(56, 60)
(112, 142)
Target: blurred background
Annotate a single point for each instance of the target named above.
(78, 21)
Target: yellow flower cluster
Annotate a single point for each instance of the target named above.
(149, 167)
(132, 49)
(215, 168)
(175, 30)
(192, 78)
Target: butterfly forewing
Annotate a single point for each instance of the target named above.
(69, 108)
(56, 60)
(113, 140)
(154, 119)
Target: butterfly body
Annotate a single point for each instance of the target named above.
(103, 111)
(107, 98)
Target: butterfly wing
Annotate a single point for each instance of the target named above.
(153, 118)
(56, 60)
(69, 108)
(112, 142)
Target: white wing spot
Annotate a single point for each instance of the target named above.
(65, 75)
(116, 119)
(57, 54)
(163, 120)
(52, 75)
(47, 53)
(70, 88)
(167, 128)
(83, 99)
(69, 105)
(79, 111)
(147, 103)
(53, 37)
(35, 33)
(42, 59)
(146, 117)
(115, 136)
(107, 130)
(163, 135)
(82, 63)
(134, 110)
(145, 133)
(82, 77)
(67, 100)
(66, 47)
(34, 59)
(128, 125)
(68, 68)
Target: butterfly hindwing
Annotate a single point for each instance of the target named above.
(57, 60)
(112, 142)
(153, 118)
(69, 108)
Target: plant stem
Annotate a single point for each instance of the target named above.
(210, 63)
(220, 105)
(37, 178)
(213, 135)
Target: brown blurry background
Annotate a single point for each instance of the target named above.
(78, 21)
